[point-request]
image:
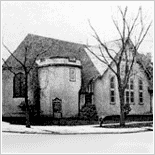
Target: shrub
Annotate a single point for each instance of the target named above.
(32, 108)
(89, 112)
(127, 109)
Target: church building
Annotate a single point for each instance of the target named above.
(66, 77)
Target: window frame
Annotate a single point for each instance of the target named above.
(131, 91)
(140, 86)
(112, 89)
(131, 82)
(132, 97)
(19, 90)
(90, 88)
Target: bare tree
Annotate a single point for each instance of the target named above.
(146, 64)
(127, 31)
(27, 65)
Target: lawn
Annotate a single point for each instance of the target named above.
(134, 125)
(75, 121)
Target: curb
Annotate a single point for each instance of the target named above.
(76, 133)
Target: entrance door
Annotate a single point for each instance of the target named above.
(88, 98)
(57, 108)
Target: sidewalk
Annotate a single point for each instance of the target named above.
(83, 129)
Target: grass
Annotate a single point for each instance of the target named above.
(135, 125)
(76, 121)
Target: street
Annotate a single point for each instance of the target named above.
(85, 143)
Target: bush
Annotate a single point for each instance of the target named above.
(127, 109)
(89, 112)
(32, 108)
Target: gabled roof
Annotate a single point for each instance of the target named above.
(58, 48)
(92, 67)
(113, 46)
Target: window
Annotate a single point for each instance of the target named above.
(132, 97)
(112, 90)
(127, 96)
(112, 83)
(131, 84)
(19, 85)
(127, 86)
(112, 96)
(129, 92)
(72, 74)
(89, 94)
(90, 88)
(88, 98)
(140, 92)
(140, 85)
(141, 97)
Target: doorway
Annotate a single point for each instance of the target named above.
(57, 108)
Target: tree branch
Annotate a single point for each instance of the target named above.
(102, 44)
(117, 27)
(134, 22)
(25, 57)
(12, 54)
(131, 65)
(141, 40)
(124, 19)
(105, 62)
(9, 67)
(32, 65)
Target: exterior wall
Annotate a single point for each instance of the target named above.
(102, 94)
(55, 83)
(9, 103)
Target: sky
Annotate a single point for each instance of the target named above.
(68, 20)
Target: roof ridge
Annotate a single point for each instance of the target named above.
(36, 35)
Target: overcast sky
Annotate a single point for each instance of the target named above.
(67, 20)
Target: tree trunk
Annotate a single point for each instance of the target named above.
(26, 102)
(122, 116)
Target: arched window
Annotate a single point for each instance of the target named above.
(19, 85)
(129, 92)
(112, 90)
(140, 91)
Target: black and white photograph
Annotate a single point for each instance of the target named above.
(77, 77)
